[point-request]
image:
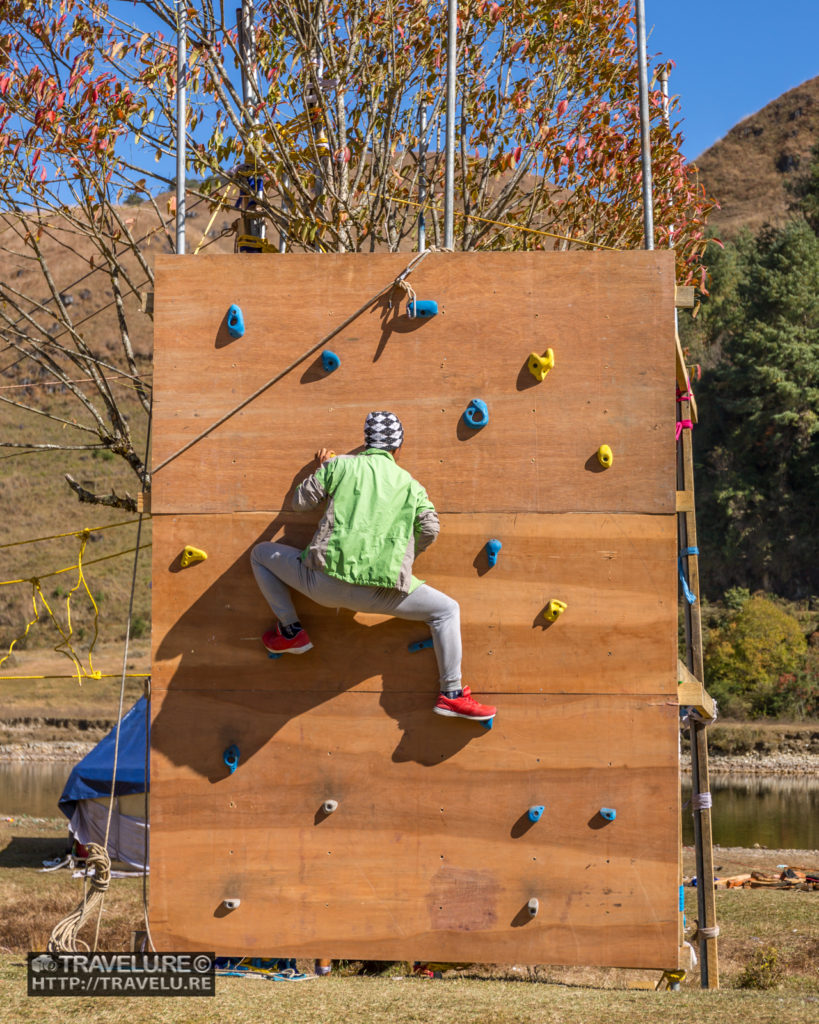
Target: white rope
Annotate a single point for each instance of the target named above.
(64, 936)
(697, 716)
(700, 801)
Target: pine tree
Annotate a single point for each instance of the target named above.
(758, 443)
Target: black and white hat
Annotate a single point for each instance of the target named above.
(383, 430)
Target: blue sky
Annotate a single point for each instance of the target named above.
(733, 57)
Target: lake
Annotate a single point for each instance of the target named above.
(774, 811)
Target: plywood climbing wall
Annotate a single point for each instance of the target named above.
(430, 854)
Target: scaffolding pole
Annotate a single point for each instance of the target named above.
(451, 69)
(645, 135)
(181, 119)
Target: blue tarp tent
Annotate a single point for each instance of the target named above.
(85, 797)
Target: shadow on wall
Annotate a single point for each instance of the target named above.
(237, 695)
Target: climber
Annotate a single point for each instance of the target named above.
(376, 519)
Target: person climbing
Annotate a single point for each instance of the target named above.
(377, 518)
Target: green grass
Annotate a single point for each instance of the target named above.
(411, 1000)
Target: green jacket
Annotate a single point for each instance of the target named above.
(377, 519)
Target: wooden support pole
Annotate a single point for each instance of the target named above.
(685, 501)
(691, 692)
(687, 534)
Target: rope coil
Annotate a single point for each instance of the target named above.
(64, 936)
(701, 801)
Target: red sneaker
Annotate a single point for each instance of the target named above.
(464, 706)
(278, 644)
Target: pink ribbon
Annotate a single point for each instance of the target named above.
(687, 424)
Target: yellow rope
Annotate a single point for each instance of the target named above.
(97, 675)
(68, 568)
(64, 646)
(71, 533)
(500, 223)
(222, 200)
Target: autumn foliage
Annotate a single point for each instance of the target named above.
(547, 119)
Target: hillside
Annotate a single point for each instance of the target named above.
(748, 171)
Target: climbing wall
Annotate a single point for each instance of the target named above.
(431, 852)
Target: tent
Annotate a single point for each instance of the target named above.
(86, 795)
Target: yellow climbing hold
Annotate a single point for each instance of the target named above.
(554, 609)
(191, 555)
(605, 456)
(539, 366)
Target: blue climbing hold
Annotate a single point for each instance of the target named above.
(535, 813)
(273, 654)
(419, 645)
(492, 548)
(608, 813)
(235, 322)
(422, 309)
(488, 723)
(231, 757)
(476, 414)
(329, 360)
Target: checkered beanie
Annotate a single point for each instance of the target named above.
(383, 430)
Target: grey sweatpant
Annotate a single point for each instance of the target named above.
(278, 567)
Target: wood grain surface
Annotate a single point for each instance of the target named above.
(616, 573)
(430, 854)
(607, 316)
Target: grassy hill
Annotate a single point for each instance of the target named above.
(748, 171)
(35, 500)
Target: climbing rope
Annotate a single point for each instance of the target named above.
(398, 282)
(64, 936)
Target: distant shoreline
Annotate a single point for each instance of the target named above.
(783, 763)
(757, 763)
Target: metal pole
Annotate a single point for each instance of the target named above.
(667, 123)
(250, 97)
(181, 120)
(422, 178)
(449, 182)
(645, 138)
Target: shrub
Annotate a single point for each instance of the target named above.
(747, 658)
(139, 627)
(763, 971)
